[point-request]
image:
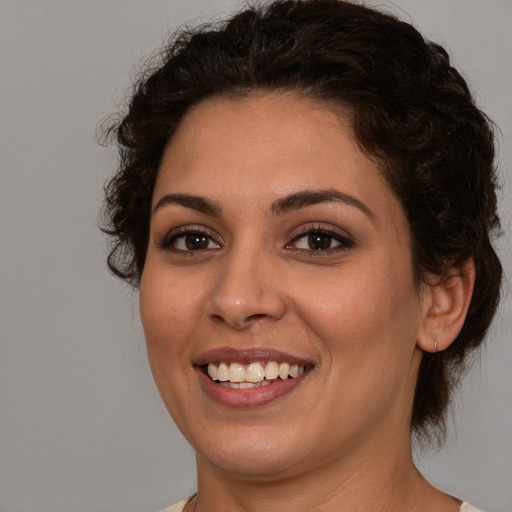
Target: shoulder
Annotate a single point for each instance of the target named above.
(466, 507)
(178, 507)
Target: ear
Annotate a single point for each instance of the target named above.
(446, 305)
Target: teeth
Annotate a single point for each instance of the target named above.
(233, 385)
(237, 375)
(246, 385)
(212, 371)
(254, 373)
(284, 370)
(223, 372)
(271, 370)
(236, 372)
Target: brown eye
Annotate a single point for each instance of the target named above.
(189, 241)
(196, 242)
(319, 241)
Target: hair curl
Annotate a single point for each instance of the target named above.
(409, 108)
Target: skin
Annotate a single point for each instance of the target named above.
(340, 440)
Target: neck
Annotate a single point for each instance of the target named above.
(369, 479)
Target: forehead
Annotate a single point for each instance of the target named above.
(264, 146)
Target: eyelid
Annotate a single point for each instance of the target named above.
(346, 241)
(188, 229)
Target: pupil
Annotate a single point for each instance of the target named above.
(194, 242)
(318, 241)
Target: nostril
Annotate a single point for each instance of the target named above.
(255, 317)
(217, 318)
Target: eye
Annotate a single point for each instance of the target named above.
(189, 241)
(320, 240)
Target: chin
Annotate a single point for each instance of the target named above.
(252, 455)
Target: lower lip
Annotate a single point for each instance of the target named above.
(250, 397)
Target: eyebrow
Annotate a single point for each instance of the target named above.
(295, 201)
(306, 198)
(199, 203)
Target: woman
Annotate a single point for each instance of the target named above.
(305, 198)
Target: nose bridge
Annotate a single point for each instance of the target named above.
(246, 288)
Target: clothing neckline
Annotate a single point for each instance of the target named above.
(179, 507)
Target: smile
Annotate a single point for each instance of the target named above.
(256, 374)
(250, 377)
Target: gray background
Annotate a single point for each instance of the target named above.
(82, 428)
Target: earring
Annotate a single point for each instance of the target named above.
(435, 346)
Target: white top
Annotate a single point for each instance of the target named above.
(466, 507)
(178, 507)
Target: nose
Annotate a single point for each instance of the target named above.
(246, 291)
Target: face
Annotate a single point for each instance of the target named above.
(279, 258)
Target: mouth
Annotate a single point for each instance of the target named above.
(251, 377)
(256, 374)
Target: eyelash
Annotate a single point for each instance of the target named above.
(169, 241)
(344, 242)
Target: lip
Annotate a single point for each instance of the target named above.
(250, 397)
(247, 356)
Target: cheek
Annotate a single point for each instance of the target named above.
(168, 315)
(358, 308)
(367, 328)
(168, 304)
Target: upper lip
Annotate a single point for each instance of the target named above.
(247, 356)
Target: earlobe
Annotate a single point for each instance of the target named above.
(446, 307)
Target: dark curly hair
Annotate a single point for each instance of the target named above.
(409, 109)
